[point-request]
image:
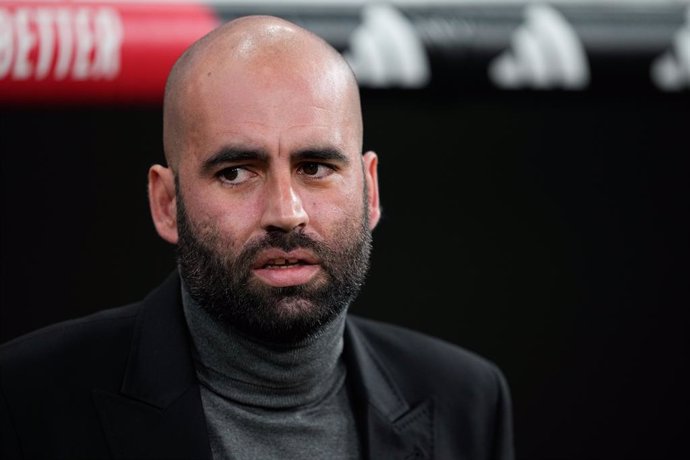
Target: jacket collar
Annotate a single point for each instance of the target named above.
(158, 412)
(391, 426)
(160, 367)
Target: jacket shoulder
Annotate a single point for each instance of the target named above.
(426, 361)
(466, 393)
(83, 343)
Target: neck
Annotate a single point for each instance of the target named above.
(262, 374)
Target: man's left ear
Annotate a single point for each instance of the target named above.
(163, 202)
(371, 162)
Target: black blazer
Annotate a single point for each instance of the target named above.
(121, 384)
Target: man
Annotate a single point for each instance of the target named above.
(249, 352)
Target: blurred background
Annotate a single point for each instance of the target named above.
(533, 171)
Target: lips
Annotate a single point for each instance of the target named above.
(283, 263)
(276, 258)
(279, 268)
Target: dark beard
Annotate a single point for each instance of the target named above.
(220, 282)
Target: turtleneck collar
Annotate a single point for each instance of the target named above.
(261, 374)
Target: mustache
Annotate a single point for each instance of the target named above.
(286, 241)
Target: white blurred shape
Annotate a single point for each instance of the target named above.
(545, 52)
(385, 50)
(671, 70)
(532, 62)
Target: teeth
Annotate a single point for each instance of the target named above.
(282, 263)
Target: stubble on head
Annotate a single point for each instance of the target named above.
(238, 42)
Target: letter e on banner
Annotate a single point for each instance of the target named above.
(6, 42)
(108, 31)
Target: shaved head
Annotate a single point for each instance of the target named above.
(252, 49)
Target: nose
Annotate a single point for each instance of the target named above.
(283, 208)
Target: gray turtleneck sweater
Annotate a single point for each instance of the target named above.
(264, 401)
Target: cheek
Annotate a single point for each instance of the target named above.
(329, 214)
(231, 222)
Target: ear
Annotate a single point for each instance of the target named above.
(163, 202)
(371, 176)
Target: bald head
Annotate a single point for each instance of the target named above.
(259, 54)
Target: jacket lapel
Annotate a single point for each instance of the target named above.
(158, 412)
(393, 428)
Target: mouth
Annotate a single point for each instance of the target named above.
(277, 258)
(282, 263)
(279, 268)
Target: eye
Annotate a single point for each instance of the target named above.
(235, 175)
(316, 170)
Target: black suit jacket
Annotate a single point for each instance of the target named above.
(121, 384)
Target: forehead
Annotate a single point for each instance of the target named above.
(272, 104)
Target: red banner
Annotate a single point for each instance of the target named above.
(93, 53)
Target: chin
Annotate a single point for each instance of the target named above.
(291, 307)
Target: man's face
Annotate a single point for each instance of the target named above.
(272, 201)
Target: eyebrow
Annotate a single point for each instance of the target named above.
(233, 155)
(237, 155)
(323, 154)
